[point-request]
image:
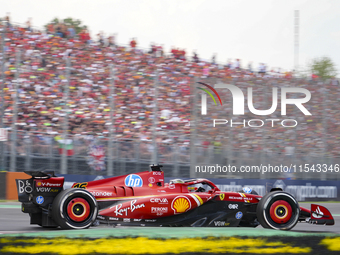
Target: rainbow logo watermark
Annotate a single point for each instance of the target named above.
(239, 102)
(204, 97)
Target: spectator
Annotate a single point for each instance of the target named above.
(250, 68)
(213, 59)
(71, 32)
(237, 64)
(111, 41)
(195, 57)
(334, 82)
(182, 55)
(85, 36)
(50, 28)
(8, 20)
(101, 39)
(152, 49)
(174, 52)
(133, 43)
(41, 95)
(29, 25)
(229, 65)
(59, 30)
(160, 51)
(262, 69)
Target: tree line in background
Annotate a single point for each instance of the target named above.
(323, 68)
(75, 23)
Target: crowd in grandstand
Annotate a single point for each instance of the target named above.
(42, 81)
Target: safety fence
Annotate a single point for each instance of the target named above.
(89, 155)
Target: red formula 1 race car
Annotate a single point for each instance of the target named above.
(143, 199)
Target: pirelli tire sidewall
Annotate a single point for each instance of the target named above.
(61, 212)
(264, 206)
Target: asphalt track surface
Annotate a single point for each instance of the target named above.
(13, 221)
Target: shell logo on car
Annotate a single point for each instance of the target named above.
(181, 204)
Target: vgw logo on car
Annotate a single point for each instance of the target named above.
(238, 104)
(133, 180)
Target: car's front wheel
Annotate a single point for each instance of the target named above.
(74, 209)
(278, 210)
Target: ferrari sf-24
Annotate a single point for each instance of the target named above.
(143, 199)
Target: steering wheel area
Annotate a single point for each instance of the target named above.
(200, 189)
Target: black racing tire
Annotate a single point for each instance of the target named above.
(278, 210)
(74, 209)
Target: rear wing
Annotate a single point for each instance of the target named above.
(41, 189)
(41, 174)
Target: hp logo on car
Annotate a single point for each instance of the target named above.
(133, 180)
(40, 200)
(238, 215)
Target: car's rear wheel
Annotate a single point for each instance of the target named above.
(278, 210)
(74, 209)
